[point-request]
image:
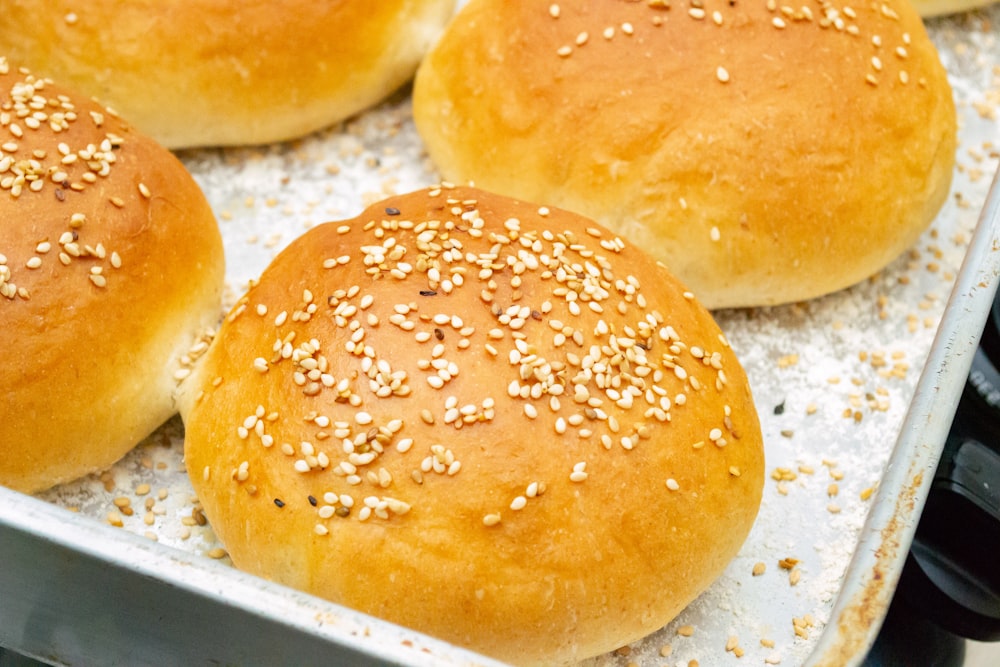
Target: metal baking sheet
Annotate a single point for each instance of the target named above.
(855, 391)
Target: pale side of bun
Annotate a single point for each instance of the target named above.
(929, 8)
(765, 154)
(111, 267)
(226, 72)
(490, 421)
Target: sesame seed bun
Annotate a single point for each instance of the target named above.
(111, 266)
(209, 73)
(765, 153)
(490, 421)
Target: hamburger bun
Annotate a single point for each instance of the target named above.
(111, 268)
(490, 421)
(766, 154)
(215, 73)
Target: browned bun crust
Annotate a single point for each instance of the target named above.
(765, 153)
(205, 72)
(929, 8)
(110, 267)
(487, 420)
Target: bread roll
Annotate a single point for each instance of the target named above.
(490, 421)
(111, 266)
(765, 153)
(225, 72)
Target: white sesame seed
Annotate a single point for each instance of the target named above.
(722, 74)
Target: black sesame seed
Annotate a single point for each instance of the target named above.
(428, 292)
(279, 502)
(342, 511)
(313, 501)
(391, 211)
(779, 409)
(535, 315)
(438, 334)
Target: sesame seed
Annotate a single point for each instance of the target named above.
(722, 74)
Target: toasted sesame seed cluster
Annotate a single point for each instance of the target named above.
(766, 152)
(110, 269)
(489, 420)
(245, 79)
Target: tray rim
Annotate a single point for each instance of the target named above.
(877, 562)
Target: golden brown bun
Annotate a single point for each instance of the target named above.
(764, 156)
(320, 374)
(928, 8)
(110, 267)
(211, 72)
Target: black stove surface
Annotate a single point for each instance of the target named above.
(949, 589)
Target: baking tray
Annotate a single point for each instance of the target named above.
(855, 391)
